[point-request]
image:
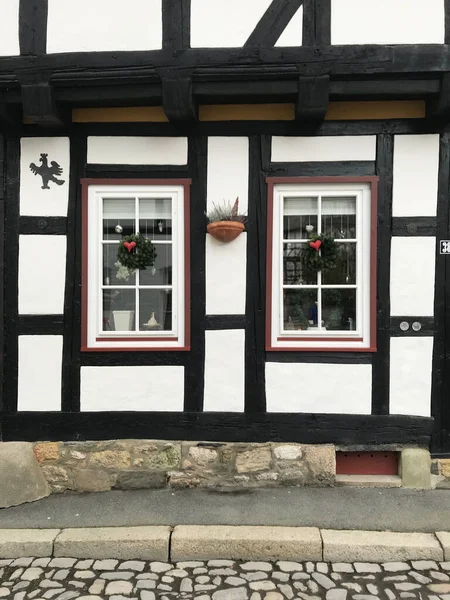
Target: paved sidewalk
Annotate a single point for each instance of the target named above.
(68, 579)
(327, 508)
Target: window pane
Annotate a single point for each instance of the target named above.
(118, 212)
(339, 309)
(345, 270)
(339, 217)
(155, 218)
(161, 272)
(113, 272)
(299, 309)
(299, 218)
(294, 271)
(118, 310)
(155, 310)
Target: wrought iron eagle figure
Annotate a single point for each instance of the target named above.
(47, 173)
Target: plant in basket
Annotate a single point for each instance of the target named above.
(224, 221)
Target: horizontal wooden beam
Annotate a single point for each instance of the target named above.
(43, 225)
(219, 427)
(416, 226)
(41, 325)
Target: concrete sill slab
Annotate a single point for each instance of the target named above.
(364, 481)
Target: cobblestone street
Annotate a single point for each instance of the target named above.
(68, 578)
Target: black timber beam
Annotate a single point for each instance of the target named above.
(178, 99)
(9, 114)
(33, 26)
(221, 427)
(312, 99)
(40, 106)
(320, 60)
(440, 107)
(273, 22)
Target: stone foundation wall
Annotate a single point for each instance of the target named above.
(139, 464)
(441, 468)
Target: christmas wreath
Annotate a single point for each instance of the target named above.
(136, 252)
(320, 253)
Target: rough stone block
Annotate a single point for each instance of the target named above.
(416, 468)
(139, 480)
(15, 543)
(123, 543)
(169, 458)
(379, 546)
(46, 451)
(288, 452)
(256, 459)
(21, 478)
(90, 480)
(111, 459)
(444, 538)
(445, 466)
(202, 456)
(321, 461)
(199, 542)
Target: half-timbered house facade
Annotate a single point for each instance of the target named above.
(323, 117)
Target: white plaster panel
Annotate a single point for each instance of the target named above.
(292, 35)
(416, 166)
(224, 370)
(140, 388)
(228, 171)
(42, 274)
(102, 25)
(118, 150)
(34, 200)
(226, 276)
(9, 28)
(412, 276)
(40, 363)
(323, 148)
(411, 369)
(387, 22)
(319, 388)
(216, 24)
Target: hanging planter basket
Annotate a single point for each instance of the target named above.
(225, 231)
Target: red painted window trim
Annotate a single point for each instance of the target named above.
(373, 181)
(185, 183)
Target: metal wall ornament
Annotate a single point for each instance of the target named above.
(48, 173)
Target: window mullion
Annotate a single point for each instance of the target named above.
(136, 293)
(280, 291)
(319, 273)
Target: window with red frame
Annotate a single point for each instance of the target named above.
(144, 308)
(332, 309)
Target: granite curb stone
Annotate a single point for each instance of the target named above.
(197, 542)
(252, 543)
(15, 543)
(147, 543)
(444, 539)
(379, 546)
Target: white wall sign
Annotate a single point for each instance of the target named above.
(44, 176)
(444, 247)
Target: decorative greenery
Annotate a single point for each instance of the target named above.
(321, 259)
(225, 212)
(141, 256)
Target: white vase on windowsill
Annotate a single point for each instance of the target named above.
(123, 320)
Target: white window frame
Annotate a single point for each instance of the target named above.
(96, 338)
(356, 340)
